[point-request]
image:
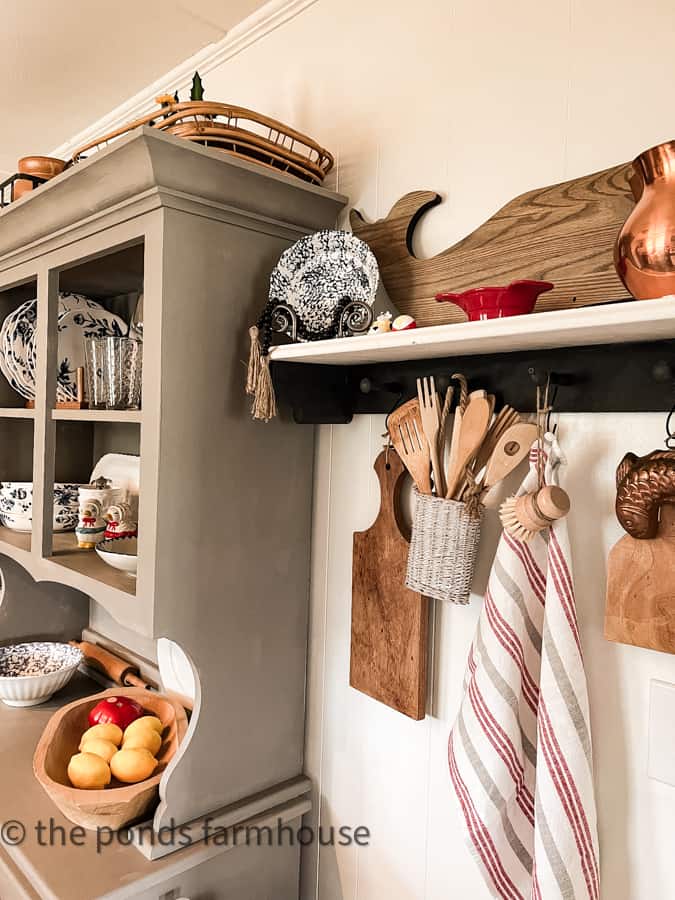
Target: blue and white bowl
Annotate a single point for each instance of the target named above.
(65, 493)
(15, 507)
(63, 520)
(30, 673)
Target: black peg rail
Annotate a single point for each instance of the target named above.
(604, 378)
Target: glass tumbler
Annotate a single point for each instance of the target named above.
(95, 363)
(123, 372)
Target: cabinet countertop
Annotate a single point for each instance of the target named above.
(55, 865)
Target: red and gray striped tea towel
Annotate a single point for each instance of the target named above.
(520, 749)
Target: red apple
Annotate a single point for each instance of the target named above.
(120, 711)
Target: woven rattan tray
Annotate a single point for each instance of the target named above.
(235, 130)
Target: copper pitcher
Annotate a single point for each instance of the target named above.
(644, 253)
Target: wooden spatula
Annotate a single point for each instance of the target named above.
(471, 433)
(407, 435)
(511, 449)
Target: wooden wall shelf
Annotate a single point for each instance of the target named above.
(645, 320)
(610, 358)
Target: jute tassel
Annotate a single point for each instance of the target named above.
(254, 361)
(264, 399)
(259, 380)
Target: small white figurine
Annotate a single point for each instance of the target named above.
(119, 522)
(382, 323)
(91, 525)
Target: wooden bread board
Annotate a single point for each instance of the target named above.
(389, 621)
(563, 233)
(640, 606)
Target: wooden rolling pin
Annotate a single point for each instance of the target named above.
(113, 667)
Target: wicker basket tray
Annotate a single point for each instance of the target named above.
(235, 130)
(118, 804)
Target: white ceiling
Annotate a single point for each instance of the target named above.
(64, 65)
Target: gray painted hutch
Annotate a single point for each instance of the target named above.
(224, 504)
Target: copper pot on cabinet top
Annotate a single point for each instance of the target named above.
(644, 253)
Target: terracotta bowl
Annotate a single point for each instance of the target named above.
(42, 166)
(118, 804)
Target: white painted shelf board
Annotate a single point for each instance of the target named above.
(89, 566)
(97, 415)
(16, 412)
(80, 569)
(643, 320)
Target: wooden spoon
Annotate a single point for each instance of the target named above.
(471, 434)
(505, 418)
(404, 425)
(511, 449)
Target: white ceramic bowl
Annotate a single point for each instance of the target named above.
(30, 673)
(120, 553)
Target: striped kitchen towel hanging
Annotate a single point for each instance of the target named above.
(520, 749)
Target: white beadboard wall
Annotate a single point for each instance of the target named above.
(479, 102)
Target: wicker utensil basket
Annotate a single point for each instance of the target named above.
(443, 547)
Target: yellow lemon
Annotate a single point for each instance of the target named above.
(145, 722)
(105, 749)
(145, 738)
(133, 765)
(108, 732)
(88, 771)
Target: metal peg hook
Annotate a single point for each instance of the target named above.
(670, 435)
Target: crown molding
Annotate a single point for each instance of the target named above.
(255, 27)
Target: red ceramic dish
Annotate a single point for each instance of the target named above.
(516, 299)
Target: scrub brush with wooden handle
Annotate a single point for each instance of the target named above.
(523, 517)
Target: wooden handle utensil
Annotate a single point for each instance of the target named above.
(510, 450)
(405, 429)
(471, 432)
(113, 667)
(431, 417)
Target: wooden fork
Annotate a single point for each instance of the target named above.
(431, 423)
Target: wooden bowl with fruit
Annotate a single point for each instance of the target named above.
(101, 759)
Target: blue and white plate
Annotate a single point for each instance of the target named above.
(17, 332)
(315, 275)
(78, 318)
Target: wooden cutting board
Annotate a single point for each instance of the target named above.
(389, 621)
(563, 233)
(640, 607)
